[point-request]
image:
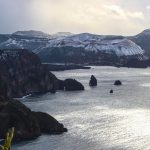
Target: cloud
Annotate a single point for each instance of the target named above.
(148, 7)
(136, 15)
(115, 9)
(98, 16)
(123, 14)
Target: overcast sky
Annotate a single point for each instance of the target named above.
(122, 17)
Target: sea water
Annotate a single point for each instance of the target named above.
(96, 119)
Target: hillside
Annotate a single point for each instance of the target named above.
(142, 39)
(22, 73)
(84, 48)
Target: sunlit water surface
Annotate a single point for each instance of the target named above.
(96, 119)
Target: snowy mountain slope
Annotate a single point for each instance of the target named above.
(32, 40)
(84, 47)
(145, 32)
(97, 43)
(61, 34)
(22, 42)
(32, 33)
(143, 40)
(40, 34)
(90, 42)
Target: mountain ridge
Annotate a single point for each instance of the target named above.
(64, 44)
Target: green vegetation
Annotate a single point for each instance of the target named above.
(9, 137)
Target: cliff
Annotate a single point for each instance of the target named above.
(22, 73)
(27, 124)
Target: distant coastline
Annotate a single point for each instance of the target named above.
(62, 67)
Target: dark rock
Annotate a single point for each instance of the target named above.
(48, 124)
(69, 85)
(61, 85)
(93, 81)
(27, 124)
(15, 114)
(117, 82)
(137, 63)
(22, 73)
(53, 90)
(72, 85)
(111, 91)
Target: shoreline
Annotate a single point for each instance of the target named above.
(63, 67)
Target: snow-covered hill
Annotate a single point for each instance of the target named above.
(60, 35)
(32, 33)
(85, 46)
(90, 42)
(40, 34)
(145, 32)
(143, 40)
(95, 43)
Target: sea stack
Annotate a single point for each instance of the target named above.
(117, 82)
(93, 81)
(111, 91)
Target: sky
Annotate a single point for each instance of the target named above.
(116, 17)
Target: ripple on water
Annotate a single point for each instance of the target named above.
(146, 85)
(95, 119)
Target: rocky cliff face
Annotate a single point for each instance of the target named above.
(27, 124)
(22, 73)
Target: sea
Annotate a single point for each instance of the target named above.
(96, 119)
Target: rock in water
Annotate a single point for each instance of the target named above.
(117, 82)
(72, 85)
(28, 124)
(111, 91)
(93, 81)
